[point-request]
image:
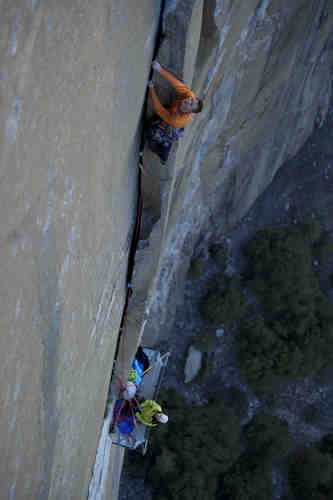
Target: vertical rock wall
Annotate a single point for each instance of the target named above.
(264, 70)
(72, 85)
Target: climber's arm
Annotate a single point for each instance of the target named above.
(160, 110)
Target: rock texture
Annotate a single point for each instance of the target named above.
(264, 71)
(73, 81)
(192, 364)
(72, 86)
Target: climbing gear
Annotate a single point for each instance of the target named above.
(165, 355)
(123, 417)
(120, 349)
(149, 390)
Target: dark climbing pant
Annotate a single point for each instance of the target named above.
(160, 137)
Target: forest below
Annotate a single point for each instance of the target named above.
(282, 322)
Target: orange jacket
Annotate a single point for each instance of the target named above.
(173, 116)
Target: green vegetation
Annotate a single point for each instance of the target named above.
(312, 414)
(219, 254)
(203, 341)
(200, 453)
(312, 229)
(268, 438)
(187, 455)
(206, 370)
(248, 481)
(323, 249)
(294, 335)
(197, 268)
(311, 471)
(198, 444)
(224, 306)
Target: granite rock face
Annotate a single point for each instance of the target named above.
(193, 364)
(72, 86)
(73, 81)
(264, 70)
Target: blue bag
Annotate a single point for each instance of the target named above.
(138, 368)
(122, 415)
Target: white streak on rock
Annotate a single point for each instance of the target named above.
(13, 121)
(107, 318)
(50, 207)
(16, 26)
(3, 77)
(12, 491)
(18, 308)
(65, 266)
(70, 188)
(24, 242)
(50, 20)
(149, 41)
(17, 390)
(13, 420)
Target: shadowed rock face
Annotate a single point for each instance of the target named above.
(72, 85)
(72, 82)
(264, 71)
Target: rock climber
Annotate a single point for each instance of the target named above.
(151, 413)
(168, 125)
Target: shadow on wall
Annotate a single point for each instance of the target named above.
(208, 38)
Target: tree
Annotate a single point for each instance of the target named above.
(311, 474)
(294, 335)
(224, 307)
(247, 481)
(188, 454)
(268, 438)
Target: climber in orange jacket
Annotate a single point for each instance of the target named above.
(168, 126)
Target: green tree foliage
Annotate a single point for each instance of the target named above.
(312, 229)
(224, 306)
(203, 340)
(326, 445)
(280, 271)
(247, 480)
(219, 254)
(323, 249)
(268, 438)
(312, 414)
(294, 337)
(188, 454)
(311, 475)
(197, 268)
